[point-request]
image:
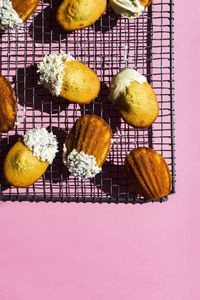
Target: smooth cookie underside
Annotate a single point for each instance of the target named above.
(21, 168)
(77, 14)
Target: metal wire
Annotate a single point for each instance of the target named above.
(109, 45)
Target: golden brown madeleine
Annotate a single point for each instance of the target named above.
(77, 14)
(28, 159)
(21, 168)
(80, 83)
(129, 8)
(87, 146)
(148, 173)
(14, 12)
(63, 76)
(92, 135)
(134, 98)
(7, 105)
(25, 8)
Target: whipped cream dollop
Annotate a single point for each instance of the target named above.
(9, 18)
(122, 80)
(81, 165)
(127, 8)
(51, 70)
(43, 144)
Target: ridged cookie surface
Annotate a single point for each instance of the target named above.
(92, 135)
(148, 173)
(7, 105)
(25, 8)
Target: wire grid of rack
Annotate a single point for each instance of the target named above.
(109, 45)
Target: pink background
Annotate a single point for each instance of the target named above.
(100, 252)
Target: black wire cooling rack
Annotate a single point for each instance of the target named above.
(109, 45)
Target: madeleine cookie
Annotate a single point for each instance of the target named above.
(148, 173)
(65, 77)
(29, 158)
(87, 146)
(129, 8)
(77, 14)
(7, 105)
(14, 12)
(134, 98)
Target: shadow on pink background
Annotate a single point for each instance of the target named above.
(119, 252)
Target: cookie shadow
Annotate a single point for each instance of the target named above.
(57, 172)
(113, 182)
(32, 95)
(102, 107)
(45, 28)
(106, 22)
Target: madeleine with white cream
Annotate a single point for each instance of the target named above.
(87, 146)
(63, 76)
(129, 8)
(28, 159)
(134, 98)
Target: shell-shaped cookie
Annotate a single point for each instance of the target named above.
(92, 135)
(77, 14)
(63, 76)
(21, 168)
(148, 173)
(80, 83)
(7, 105)
(29, 158)
(138, 105)
(25, 8)
(134, 98)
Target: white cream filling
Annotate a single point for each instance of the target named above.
(122, 80)
(127, 8)
(43, 144)
(81, 165)
(9, 18)
(51, 70)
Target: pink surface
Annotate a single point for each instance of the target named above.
(100, 252)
